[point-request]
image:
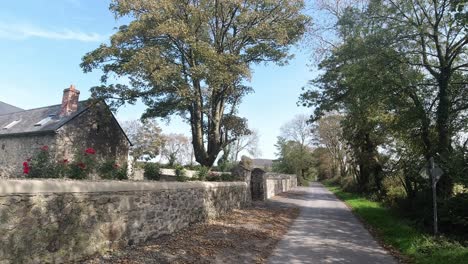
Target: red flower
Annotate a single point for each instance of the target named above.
(25, 167)
(90, 151)
(81, 165)
(65, 161)
(116, 166)
(45, 148)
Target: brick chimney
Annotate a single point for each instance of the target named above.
(69, 101)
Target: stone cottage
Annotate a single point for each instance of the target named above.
(66, 129)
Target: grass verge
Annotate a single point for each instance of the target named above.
(414, 245)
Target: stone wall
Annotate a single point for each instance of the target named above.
(278, 183)
(16, 150)
(63, 221)
(266, 185)
(95, 128)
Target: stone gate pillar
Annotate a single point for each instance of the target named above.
(257, 184)
(243, 172)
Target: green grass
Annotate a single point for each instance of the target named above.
(392, 230)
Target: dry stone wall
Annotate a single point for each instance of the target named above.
(15, 150)
(266, 185)
(278, 183)
(65, 221)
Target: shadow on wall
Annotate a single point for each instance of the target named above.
(95, 128)
(266, 185)
(64, 227)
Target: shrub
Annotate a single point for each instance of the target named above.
(84, 164)
(453, 215)
(194, 167)
(394, 191)
(152, 171)
(212, 177)
(203, 173)
(181, 174)
(111, 170)
(77, 171)
(225, 166)
(227, 177)
(41, 165)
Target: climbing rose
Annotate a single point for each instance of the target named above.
(65, 161)
(116, 166)
(25, 167)
(90, 151)
(45, 148)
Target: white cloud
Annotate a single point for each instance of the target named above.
(26, 31)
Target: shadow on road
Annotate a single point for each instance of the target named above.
(325, 232)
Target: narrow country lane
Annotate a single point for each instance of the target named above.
(325, 232)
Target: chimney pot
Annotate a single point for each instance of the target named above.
(69, 101)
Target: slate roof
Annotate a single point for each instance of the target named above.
(28, 119)
(7, 108)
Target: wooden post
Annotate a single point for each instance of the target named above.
(434, 194)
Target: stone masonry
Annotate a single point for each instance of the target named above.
(265, 185)
(66, 221)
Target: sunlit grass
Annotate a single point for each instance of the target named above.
(399, 233)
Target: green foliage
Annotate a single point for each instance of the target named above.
(111, 170)
(401, 104)
(194, 64)
(399, 233)
(453, 215)
(220, 177)
(212, 177)
(83, 165)
(294, 158)
(42, 165)
(181, 174)
(77, 172)
(225, 163)
(202, 173)
(227, 177)
(152, 171)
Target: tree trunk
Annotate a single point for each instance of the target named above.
(445, 184)
(206, 156)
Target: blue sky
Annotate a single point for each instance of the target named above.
(42, 43)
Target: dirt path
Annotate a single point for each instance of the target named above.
(325, 232)
(242, 236)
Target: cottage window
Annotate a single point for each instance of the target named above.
(44, 121)
(10, 125)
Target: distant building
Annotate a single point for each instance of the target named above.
(264, 164)
(65, 128)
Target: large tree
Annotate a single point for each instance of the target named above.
(146, 138)
(329, 133)
(191, 57)
(176, 149)
(399, 74)
(434, 37)
(295, 143)
(248, 143)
